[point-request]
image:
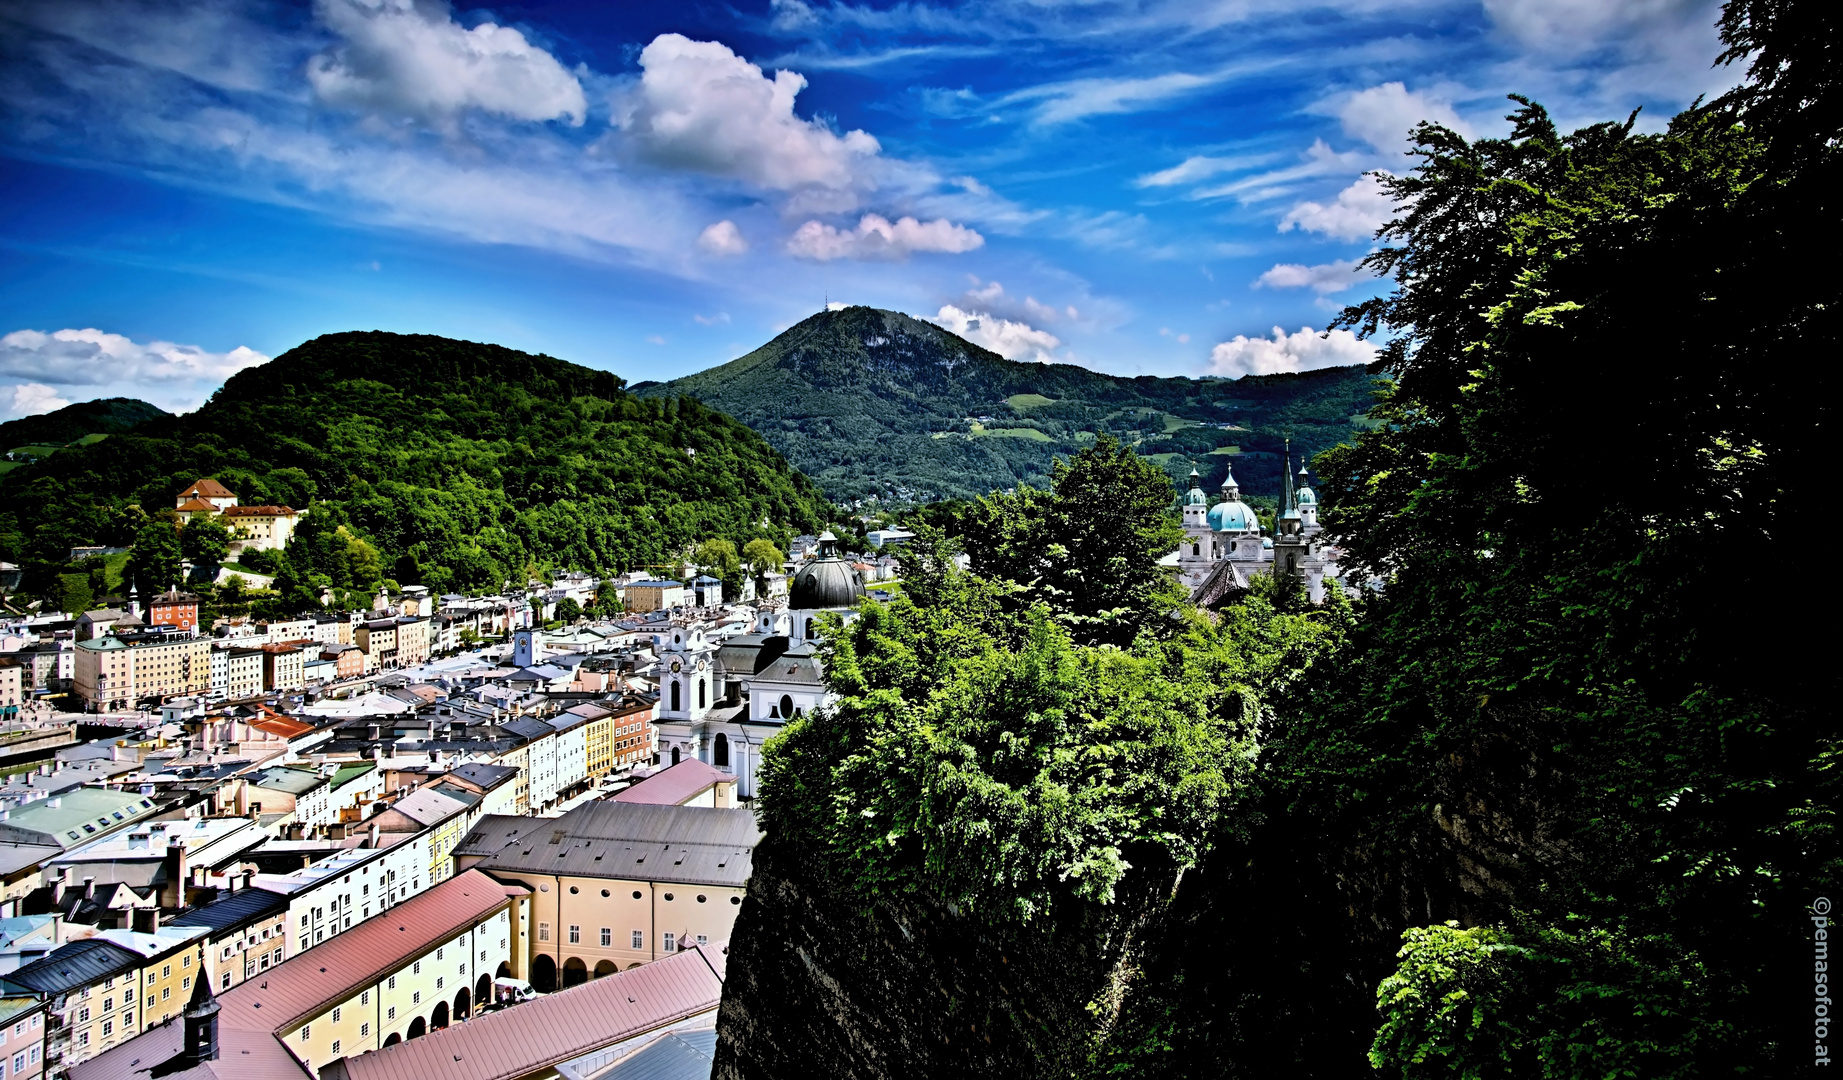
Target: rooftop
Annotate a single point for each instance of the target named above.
(541, 1034)
(689, 845)
(673, 785)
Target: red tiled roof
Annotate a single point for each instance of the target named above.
(282, 726)
(207, 488)
(258, 511)
(537, 1035)
(197, 504)
(672, 786)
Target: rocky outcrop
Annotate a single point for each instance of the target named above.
(824, 984)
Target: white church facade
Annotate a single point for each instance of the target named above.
(1224, 546)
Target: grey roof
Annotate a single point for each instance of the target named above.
(76, 964)
(16, 857)
(528, 728)
(691, 845)
(746, 654)
(484, 775)
(682, 1055)
(234, 910)
(494, 831)
(291, 780)
(798, 665)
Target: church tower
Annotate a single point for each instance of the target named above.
(1195, 555)
(1289, 543)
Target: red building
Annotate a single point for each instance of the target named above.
(176, 609)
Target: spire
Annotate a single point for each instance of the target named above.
(1229, 487)
(1288, 508)
(201, 1017)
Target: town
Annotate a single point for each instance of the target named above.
(229, 819)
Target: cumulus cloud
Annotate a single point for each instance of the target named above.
(30, 399)
(876, 237)
(1357, 212)
(699, 106)
(990, 296)
(410, 58)
(1577, 25)
(1325, 278)
(1303, 351)
(1011, 340)
(71, 364)
(723, 238)
(1383, 115)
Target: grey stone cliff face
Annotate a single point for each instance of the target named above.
(820, 984)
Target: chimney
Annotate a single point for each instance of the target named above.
(174, 895)
(146, 920)
(201, 1018)
(249, 879)
(89, 888)
(374, 835)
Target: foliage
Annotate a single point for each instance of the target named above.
(568, 610)
(1088, 547)
(875, 404)
(446, 463)
(73, 422)
(204, 539)
(607, 599)
(761, 556)
(153, 562)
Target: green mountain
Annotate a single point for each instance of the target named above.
(105, 416)
(440, 462)
(876, 403)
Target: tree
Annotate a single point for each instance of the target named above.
(204, 540)
(153, 562)
(607, 600)
(760, 556)
(568, 610)
(718, 558)
(1090, 545)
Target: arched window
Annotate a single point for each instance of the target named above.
(720, 754)
(809, 628)
(700, 693)
(1196, 549)
(676, 706)
(675, 755)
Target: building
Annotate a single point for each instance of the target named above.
(302, 794)
(176, 609)
(13, 675)
(107, 989)
(378, 639)
(348, 660)
(342, 890)
(386, 981)
(284, 668)
(573, 1034)
(214, 495)
(644, 596)
(75, 817)
(1224, 547)
(259, 528)
(118, 673)
(688, 783)
(614, 885)
(22, 1037)
(443, 812)
(244, 673)
(247, 933)
(414, 640)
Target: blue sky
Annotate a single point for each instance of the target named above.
(1141, 187)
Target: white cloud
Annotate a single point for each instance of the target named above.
(699, 106)
(1303, 351)
(990, 296)
(411, 58)
(91, 363)
(1011, 340)
(723, 238)
(1577, 25)
(30, 399)
(1357, 212)
(722, 317)
(1200, 167)
(1325, 278)
(876, 237)
(1383, 115)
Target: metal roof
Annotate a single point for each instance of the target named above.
(673, 785)
(245, 906)
(78, 963)
(682, 1055)
(555, 1028)
(690, 845)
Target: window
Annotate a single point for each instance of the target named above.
(702, 940)
(166, 992)
(364, 1030)
(108, 1004)
(83, 1016)
(127, 997)
(543, 931)
(108, 1028)
(186, 961)
(83, 1038)
(416, 998)
(336, 1016)
(390, 1013)
(575, 934)
(393, 982)
(416, 968)
(307, 1032)
(224, 983)
(671, 943)
(335, 1047)
(438, 984)
(607, 936)
(365, 998)
(438, 954)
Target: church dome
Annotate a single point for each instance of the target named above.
(1195, 496)
(1233, 515)
(1305, 497)
(826, 581)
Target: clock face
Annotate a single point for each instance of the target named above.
(675, 666)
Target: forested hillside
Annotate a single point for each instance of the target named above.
(870, 402)
(105, 416)
(445, 463)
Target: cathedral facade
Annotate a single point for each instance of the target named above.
(1225, 545)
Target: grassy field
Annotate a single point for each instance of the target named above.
(1028, 401)
(36, 450)
(1011, 432)
(1225, 450)
(9, 466)
(92, 439)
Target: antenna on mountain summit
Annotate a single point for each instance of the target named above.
(827, 304)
